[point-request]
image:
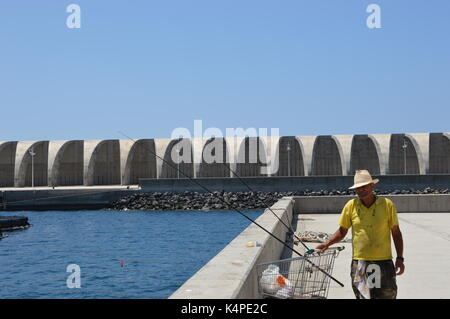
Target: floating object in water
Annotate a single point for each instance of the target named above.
(10, 223)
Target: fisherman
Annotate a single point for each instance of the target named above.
(373, 219)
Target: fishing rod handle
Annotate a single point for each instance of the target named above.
(338, 248)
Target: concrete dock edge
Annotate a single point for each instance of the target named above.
(231, 274)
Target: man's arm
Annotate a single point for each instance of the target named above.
(335, 238)
(398, 242)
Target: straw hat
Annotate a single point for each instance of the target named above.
(362, 177)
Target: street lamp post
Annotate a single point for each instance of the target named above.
(32, 153)
(404, 147)
(178, 162)
(289, 159)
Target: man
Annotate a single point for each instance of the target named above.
(373, 219)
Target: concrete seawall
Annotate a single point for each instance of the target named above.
(293, 183)
(61, 199)
(427, 203)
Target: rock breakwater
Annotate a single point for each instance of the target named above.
(219, 200)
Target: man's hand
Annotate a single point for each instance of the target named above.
(322, 247)
(399, 265)
(398, 242)
(335, 238)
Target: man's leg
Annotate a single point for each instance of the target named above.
(353, 267)
(388, 284)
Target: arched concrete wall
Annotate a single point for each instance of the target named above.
(197, 152)
(233, 146)
(307, 145)
(271, 166)
(326, 158)
(439, 153)
(124, 161)
(396, 155)
(344, 144)
(251, 157)
(421, 142)
(102, 162)
(7, 161)
(215, 159)
(364, 155)
(23, 164)
(381, 142)
(65, 163)
(161, 145)
(295, 165)
(182, 159)
(138, 160)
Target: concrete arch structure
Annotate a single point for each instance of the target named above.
(381, 143)
(439, 153)
(65, 163)
(396, 155)
(138, 160)
(364, 155)
(421, 142)
(197, 153)
(215, 159)
(307, 145)
(344, 144)
(251, 157)
(327, 157)
(290, 161)
(115, 162)
(271, 165)
(160, 148)
(182, 159)
(101, 162)
(233, 146)
(23, 170)
(7, 163)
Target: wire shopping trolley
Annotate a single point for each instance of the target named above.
(306, 277)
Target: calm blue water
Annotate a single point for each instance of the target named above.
(159, 250)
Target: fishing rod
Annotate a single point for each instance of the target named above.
(308, 250)
(241, 213)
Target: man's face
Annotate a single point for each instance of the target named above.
(365, 191)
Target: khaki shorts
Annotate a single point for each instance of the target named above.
(388, 285)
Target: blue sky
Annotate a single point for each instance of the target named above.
(148, 67)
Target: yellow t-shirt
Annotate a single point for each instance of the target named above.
(371, 227)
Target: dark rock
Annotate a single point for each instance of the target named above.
(240, 200)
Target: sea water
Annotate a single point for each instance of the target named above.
(112, 254)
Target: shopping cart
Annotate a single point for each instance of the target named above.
(306, 277)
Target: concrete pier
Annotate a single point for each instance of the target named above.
(426, 239)
(231, 274)
(293, 183)
(62, 198)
